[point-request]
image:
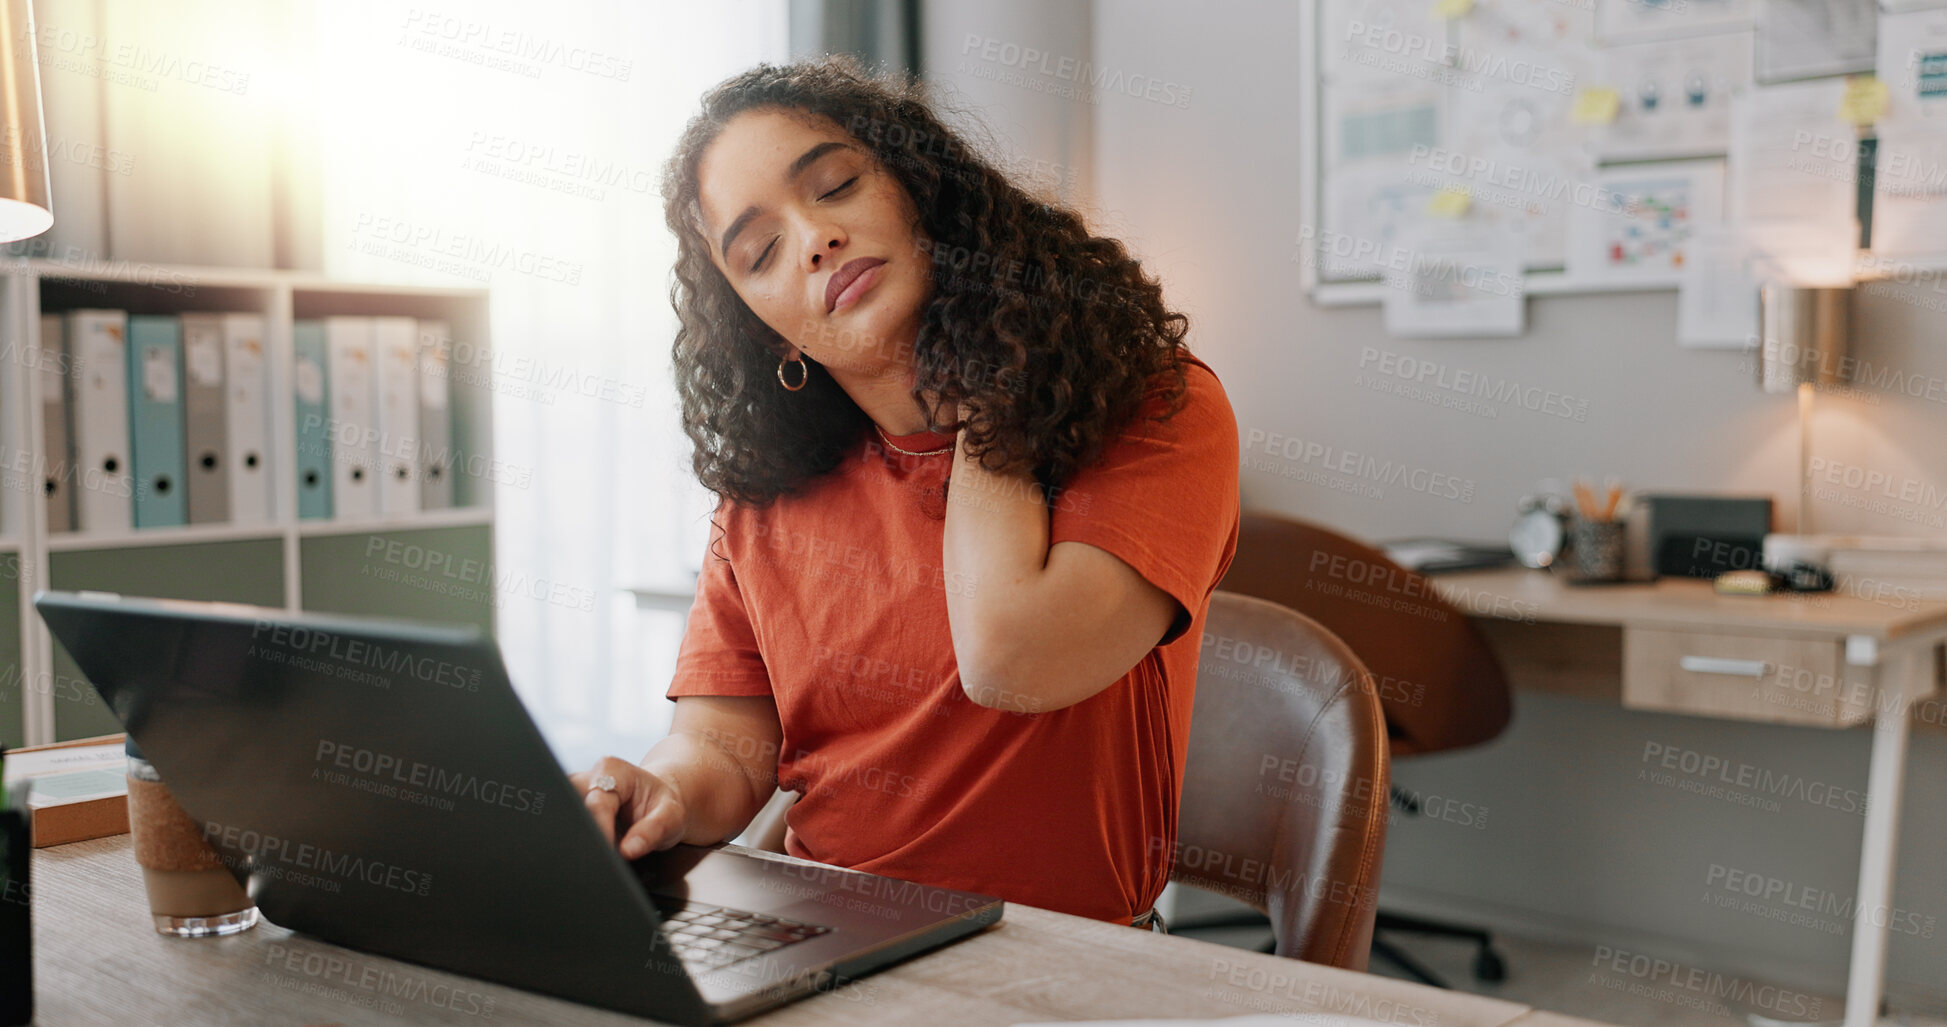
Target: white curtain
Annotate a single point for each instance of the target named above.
(521, 145)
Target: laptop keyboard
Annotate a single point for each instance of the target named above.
(710, 937)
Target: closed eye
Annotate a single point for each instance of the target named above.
(758, 264)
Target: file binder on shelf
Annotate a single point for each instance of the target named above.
(57, 456)
(204, 425)
(435, 417)
(311, 389)
(155, 394)
(395, 344)
(352, 424)
(103, 485)
(246, 420)
(113, 371)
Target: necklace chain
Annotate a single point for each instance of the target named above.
(908, 452)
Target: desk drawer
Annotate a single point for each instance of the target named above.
(1777, 678)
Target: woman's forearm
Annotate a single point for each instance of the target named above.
(1038, 627)
(720, 793)
(996, 544)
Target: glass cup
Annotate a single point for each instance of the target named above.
(191, 893)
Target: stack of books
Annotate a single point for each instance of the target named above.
(1872, 565)
(77, 790)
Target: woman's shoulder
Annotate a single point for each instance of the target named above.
(1204, 400)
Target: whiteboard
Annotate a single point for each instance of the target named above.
(1525, 116)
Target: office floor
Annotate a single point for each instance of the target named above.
(1554, 978)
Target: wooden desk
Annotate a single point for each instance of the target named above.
(97, 961)
(1677, 646)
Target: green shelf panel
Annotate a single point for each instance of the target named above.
(239, 572)
(13, 701)
(443, 575)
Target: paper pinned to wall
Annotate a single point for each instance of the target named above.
(1511, 150)
(1675, 97)
(1451, 202)
(1541, 46)
(1717, 300)
(1800, 39)
(1377, 186)
(1793, 158)
(1596, 105)
(1864, 101)
(1910, 190)
(1637, 224)
(1383, 41)
(1631, 21)
(1512, 144)
(1912, 62)
(1464, 280)
(1910, 177)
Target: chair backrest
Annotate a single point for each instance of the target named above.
(1285, 787)
(1440, 684)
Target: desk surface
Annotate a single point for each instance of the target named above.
(1523, 594)
(97, 961)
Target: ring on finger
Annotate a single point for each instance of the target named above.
(602, 783)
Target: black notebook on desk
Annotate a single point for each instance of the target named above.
(1438, 555)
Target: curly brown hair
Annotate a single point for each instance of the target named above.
(1050, 335)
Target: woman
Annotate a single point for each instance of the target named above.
(973, 498)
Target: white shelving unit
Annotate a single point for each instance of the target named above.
(30, 287)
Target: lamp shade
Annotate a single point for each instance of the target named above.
(26, 208)
(1806, 334)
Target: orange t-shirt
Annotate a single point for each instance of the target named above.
(833, 601)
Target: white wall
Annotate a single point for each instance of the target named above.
(1574, 846)
(978, 58)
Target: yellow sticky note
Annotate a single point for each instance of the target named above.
(1865, 100)
(1451, 202)
(1451, 8)
(1596, 105)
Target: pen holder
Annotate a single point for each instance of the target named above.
(1595, 551)
(16, 952)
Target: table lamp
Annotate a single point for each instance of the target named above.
(25, 207)
(1805, 334)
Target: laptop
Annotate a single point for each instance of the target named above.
(384, 789)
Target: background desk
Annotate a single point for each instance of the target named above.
(97, 961)
(1677, 646)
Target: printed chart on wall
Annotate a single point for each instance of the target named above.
(1620, 143)
(1384, 87)
(1376, 192)
(1639, 223)
(1512, 148)
(1673, 97)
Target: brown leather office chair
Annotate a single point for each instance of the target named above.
(1285, 784)
(1284, 790)
(1440, 684)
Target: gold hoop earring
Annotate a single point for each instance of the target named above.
(804, 373)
